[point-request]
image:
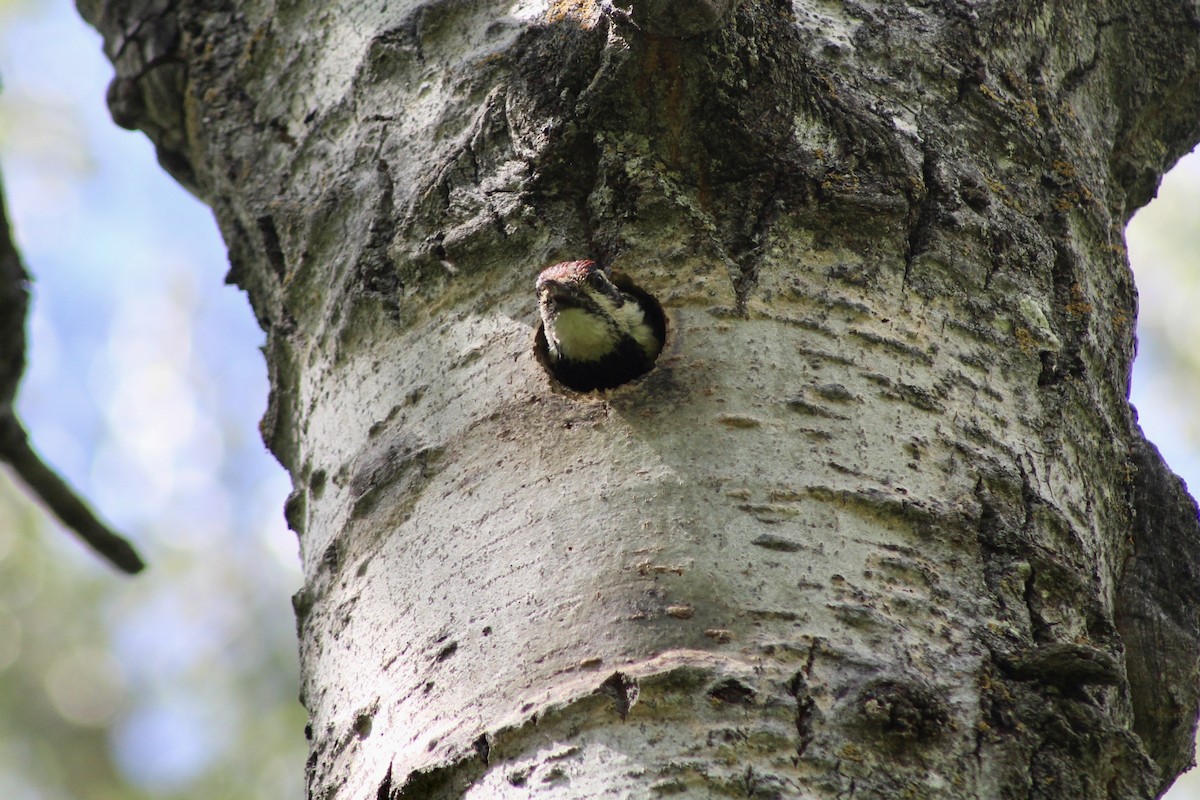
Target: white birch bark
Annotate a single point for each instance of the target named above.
(880, 523)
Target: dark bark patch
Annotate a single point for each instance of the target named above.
(316, 484)
(432, 784)
(739, 421)
(1157, 611)
(776, 543)
(363, 723)
(294, 510)
(835, 392)
(375, 274)
(806, 712)
(384, 792)
(802, 406)
(902, 709)
(733, 692)
(331, 558)
(302, 604)
(272, 248)
(1066, 664)
(482, 747)
(623, 690)
(678, 18)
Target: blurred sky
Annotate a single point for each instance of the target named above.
(145, 388)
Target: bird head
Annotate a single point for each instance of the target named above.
(599, 332)
(582, 310)
(577, 284)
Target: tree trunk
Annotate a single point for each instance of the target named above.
(880, 522)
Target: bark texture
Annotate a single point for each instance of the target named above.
(880, 522)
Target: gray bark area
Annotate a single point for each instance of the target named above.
(880, 523)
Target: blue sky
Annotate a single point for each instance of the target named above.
(144, 387)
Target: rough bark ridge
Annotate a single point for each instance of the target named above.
(881, 521)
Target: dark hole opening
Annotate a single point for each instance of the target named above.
(613, 372)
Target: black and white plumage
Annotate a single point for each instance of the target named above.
(598, 334)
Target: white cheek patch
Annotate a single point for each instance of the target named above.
(583, 336)
(632, 318)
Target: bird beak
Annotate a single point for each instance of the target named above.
(556, 295)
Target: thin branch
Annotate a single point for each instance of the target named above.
(15, 449)
(61, 499)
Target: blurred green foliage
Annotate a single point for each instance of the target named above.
(74, 700)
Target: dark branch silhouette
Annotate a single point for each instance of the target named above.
(54, 492)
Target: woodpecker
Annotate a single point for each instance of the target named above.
(597, 335)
